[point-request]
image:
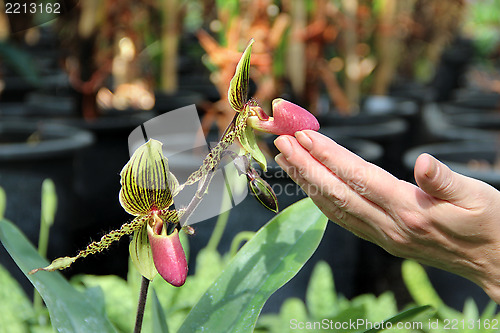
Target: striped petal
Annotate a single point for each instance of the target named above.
(238, 87)
(147, 184)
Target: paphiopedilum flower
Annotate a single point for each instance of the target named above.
(287, 118)
(148, 188)
(147, 191)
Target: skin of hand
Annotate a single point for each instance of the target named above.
(448, 221)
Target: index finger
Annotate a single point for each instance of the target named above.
(367, 179)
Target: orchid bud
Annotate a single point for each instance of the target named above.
(287, 118)
(262, 191)
(168, 255)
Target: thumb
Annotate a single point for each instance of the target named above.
(437, 180)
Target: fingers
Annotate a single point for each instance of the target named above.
(338, 200)
(370, 181)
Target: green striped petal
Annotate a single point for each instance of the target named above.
(147, 183)
(140, 253)
(249, 143)
(238, 87)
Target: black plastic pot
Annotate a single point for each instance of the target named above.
(29, 153)
(467, 99)
(457, 155)
(443, 127)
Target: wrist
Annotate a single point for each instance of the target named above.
(489, 281)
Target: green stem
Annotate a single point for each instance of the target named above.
(221, 223)
(243, 236)
(141, 305)
(220, 226)
(47, 215)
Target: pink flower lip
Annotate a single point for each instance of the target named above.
(168, 255)
(287, 118)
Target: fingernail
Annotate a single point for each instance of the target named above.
(279, 158)
(284, 145)
(432, 168)
(304, 140)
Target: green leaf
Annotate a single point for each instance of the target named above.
(489, 311)
(70, 310)
(249, 144)
(321, 298)
(405, 316)
(471, 314)
(419, 285)
(238, 87)
(15, 308)
(49, 202)
(141, 255)
(21, 62)
(385, 306)
(159, 320)
(293, 309)
(264, 264)
(119, 299)
(348, 315)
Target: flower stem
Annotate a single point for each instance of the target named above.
(221, 224)
(141, 304)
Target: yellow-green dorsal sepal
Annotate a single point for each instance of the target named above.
(238, 87)
(59, 263)
(147, 183)
(141, 255)
(249, 144)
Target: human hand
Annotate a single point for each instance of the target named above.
(448, 221)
